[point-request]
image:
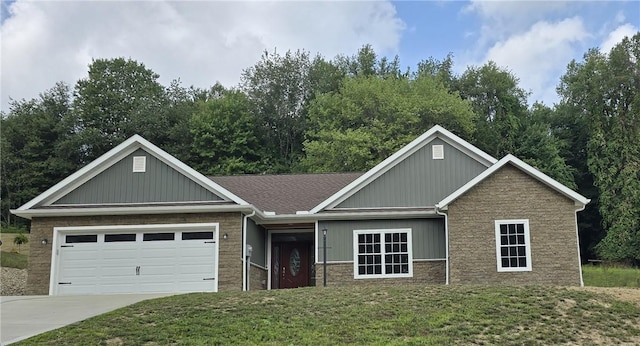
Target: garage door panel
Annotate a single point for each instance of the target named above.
(127, 264)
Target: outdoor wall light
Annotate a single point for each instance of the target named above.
(225, 236)
(44, 241)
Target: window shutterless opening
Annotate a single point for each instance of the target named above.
(111, 238)
(158, 236)
(84, 238)
(196, 235)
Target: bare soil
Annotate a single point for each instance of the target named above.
(619, 293)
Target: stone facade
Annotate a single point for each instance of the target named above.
(512, 194)
(340, 274)
(230, 250)
(257, 278)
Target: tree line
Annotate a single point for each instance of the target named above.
(296, 112)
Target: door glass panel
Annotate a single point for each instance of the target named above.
(158, 236)
(84, 238)
(110, 238)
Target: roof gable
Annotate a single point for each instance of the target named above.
(420, 180)
(111, 159)
(523, 166)
(400, 156)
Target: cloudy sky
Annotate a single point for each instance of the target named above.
(202, 42)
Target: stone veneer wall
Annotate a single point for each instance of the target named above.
(257, 278)
(512, 194)
(339, 274)
(230, 250)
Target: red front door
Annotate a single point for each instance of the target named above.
(290, 265)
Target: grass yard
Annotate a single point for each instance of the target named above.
(382, 315)
(607, 276)
(13, 260)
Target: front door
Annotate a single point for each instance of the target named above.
(290, 265)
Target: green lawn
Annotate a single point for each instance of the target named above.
(13, 260)
(378, 315)
(607, 276)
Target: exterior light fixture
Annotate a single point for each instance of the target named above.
(44, 241)
(225, 236)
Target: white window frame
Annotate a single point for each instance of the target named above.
(527, 244)
(382, 232)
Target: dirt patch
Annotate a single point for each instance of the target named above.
(619, 293)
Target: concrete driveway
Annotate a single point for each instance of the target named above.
(22, 317)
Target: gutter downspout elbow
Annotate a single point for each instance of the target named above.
(446, 241)
(245, 273)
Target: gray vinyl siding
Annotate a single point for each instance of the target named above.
(418, 181)
(119, 185)
(428, 237)
(257, 239)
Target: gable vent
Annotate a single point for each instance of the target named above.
(139, 164)
(437, 151)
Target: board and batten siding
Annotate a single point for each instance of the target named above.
(428, 237)
(118, 184)
(256, 237)
(419, 180)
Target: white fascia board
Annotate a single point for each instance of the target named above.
(436, 131)
(81, 173)
(293, 218)
(545, 179)
(114, 155)
(28, 214)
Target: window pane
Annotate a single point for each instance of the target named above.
(360, 238)
(504, 240)
(378, 269)
(387, 237)
(403, 248)
(404, 258)
(377, 259)
(369, 269)
(405, 268)
(512, 239)
(361, 260)
(520, 228)
(396, 237)
(388, 269)
(387, 248)
(369, 248)
(396, 247)
(397, 268)
(523, 262)
(376, 237)
(503, 229)
(85, 238)
(514, 262)
(403, 237)
(376, 248)
(521, 251)
(197, 235)
(361, 248)
(505, 263)
(158, 236)
(513, 251)
(388, 258)
(504, 251)
(362, 270)
(109, 238)
(369, 238)
(520, 239)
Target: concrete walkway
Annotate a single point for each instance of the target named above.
(22, 317)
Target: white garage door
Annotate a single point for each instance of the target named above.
(136, 260)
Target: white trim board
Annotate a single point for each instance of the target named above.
(523, 166)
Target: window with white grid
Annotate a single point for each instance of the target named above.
(513, 248)
(382, 253)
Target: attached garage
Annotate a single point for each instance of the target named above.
(135, 259)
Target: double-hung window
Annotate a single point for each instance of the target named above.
(382, 253)
(513, 248)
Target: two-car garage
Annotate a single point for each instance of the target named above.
(135, 259)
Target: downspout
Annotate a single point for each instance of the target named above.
(446, 242)
(578, 243)
(244, 250)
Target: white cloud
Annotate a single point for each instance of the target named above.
(540, 55)
(198, 42)
(616, 36)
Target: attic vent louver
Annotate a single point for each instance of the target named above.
(437, 151)
(139, 164)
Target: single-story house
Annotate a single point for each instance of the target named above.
(438, 211)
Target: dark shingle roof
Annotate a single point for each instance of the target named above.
(288, 193)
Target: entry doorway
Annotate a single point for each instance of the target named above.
(292, 260)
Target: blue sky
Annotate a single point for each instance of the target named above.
(201, 42)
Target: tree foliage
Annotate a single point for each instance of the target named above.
(604, 90)
(371, 117)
